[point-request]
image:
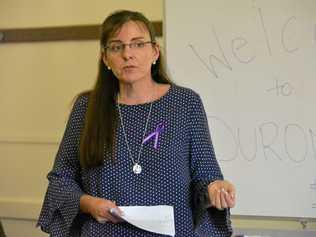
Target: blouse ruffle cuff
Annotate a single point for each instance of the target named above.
(200, 201)
(201, 209)
(58, 215)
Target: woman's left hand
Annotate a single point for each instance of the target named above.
(222, 194)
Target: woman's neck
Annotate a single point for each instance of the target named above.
(137, 93)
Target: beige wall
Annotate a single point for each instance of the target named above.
(37, 84)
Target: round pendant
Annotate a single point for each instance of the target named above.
(137, 169)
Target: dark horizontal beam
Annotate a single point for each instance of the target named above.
(58, 33)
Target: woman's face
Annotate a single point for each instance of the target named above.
(131, 63)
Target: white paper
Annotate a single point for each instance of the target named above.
(157, 219)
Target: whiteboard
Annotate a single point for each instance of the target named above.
(254, 65)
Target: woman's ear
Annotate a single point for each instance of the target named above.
(157, 51)
(104, 59)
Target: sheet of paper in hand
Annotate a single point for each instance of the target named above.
(156, 219)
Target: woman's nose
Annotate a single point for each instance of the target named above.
(127, 52)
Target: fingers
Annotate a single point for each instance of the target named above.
(228, 199)
(112, 218)
(104, 212)
(218, 199)
(101, 220)
(215, 197)
(222, 194)
(107, 216)
(114, 213)
(223, 197)
(231, 194)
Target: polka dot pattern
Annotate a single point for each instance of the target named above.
(184, 158)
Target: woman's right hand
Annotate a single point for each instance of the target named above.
(99, 208)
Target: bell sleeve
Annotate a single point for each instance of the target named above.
(204, 170)
(60, 215)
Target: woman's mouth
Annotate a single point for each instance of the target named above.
(129, 68)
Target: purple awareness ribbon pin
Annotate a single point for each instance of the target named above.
(155, 134)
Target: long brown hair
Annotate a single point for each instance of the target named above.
(98, 135)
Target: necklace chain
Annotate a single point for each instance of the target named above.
(135, 162)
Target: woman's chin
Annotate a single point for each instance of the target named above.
(130, 79)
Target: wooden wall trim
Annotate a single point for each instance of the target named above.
(58, 33)
(30, 141)
(20, 208)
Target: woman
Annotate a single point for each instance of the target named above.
(136, 139)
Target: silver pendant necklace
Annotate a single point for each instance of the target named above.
(137, 169)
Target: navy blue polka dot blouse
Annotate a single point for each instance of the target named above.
(172, 173)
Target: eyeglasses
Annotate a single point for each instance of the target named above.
(119, 47)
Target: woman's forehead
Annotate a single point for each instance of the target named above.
(131, 29)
